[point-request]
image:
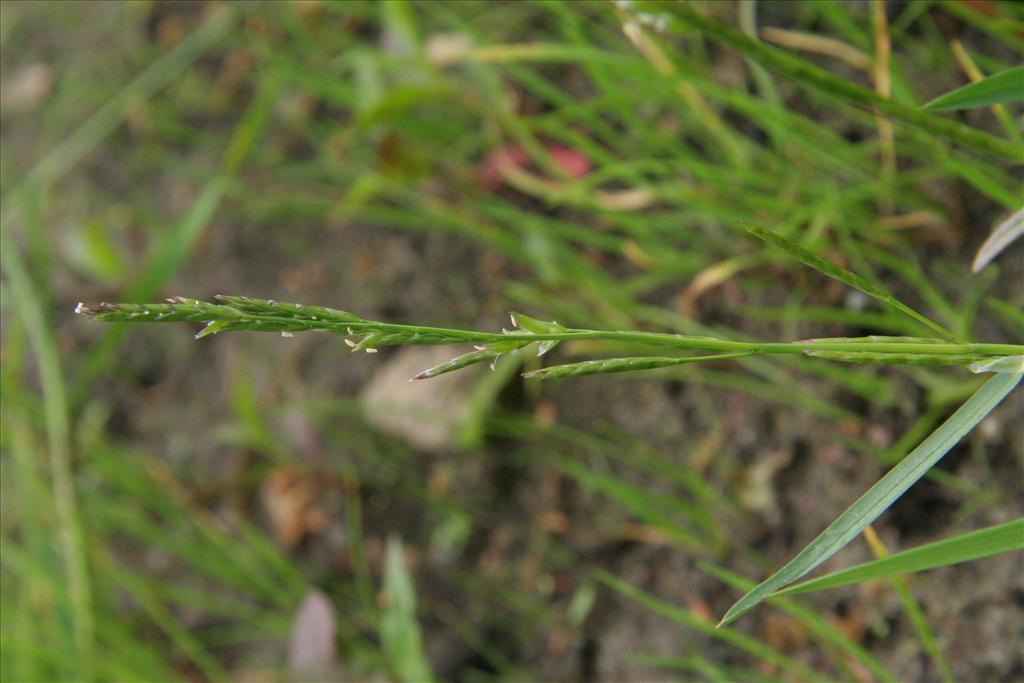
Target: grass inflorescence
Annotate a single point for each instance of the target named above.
(238, 313)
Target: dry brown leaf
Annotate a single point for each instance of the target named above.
(289, 498)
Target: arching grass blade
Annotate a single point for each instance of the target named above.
(999, 88)
(880, 496)
(843, 275)
(994, 540)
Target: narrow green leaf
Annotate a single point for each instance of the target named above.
(994, 540)
(880, 496)
(1005, 86)
(399, 631)
(690, 620)
(71, 539)
(1008, 313)
(820, 628)
(837, 272)
(632, 364)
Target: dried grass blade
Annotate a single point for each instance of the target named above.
(1002, 236)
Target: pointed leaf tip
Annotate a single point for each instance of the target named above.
(1002, 87)
(882, 494)
(837, 272)
(1002, 236)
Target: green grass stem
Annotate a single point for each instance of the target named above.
(243, 313)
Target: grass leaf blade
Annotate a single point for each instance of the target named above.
(71, 538)
(880, 496)
(848, 278)
(702, 625)
(999, 88)
(399, 631)
(994, 540)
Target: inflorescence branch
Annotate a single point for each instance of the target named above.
(232, 313)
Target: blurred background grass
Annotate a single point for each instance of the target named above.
(181, 510)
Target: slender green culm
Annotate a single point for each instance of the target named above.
(235, 313)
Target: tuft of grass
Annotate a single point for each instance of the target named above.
(308, 133)
(807, 74)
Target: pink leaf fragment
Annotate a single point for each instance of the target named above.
(312, 647)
